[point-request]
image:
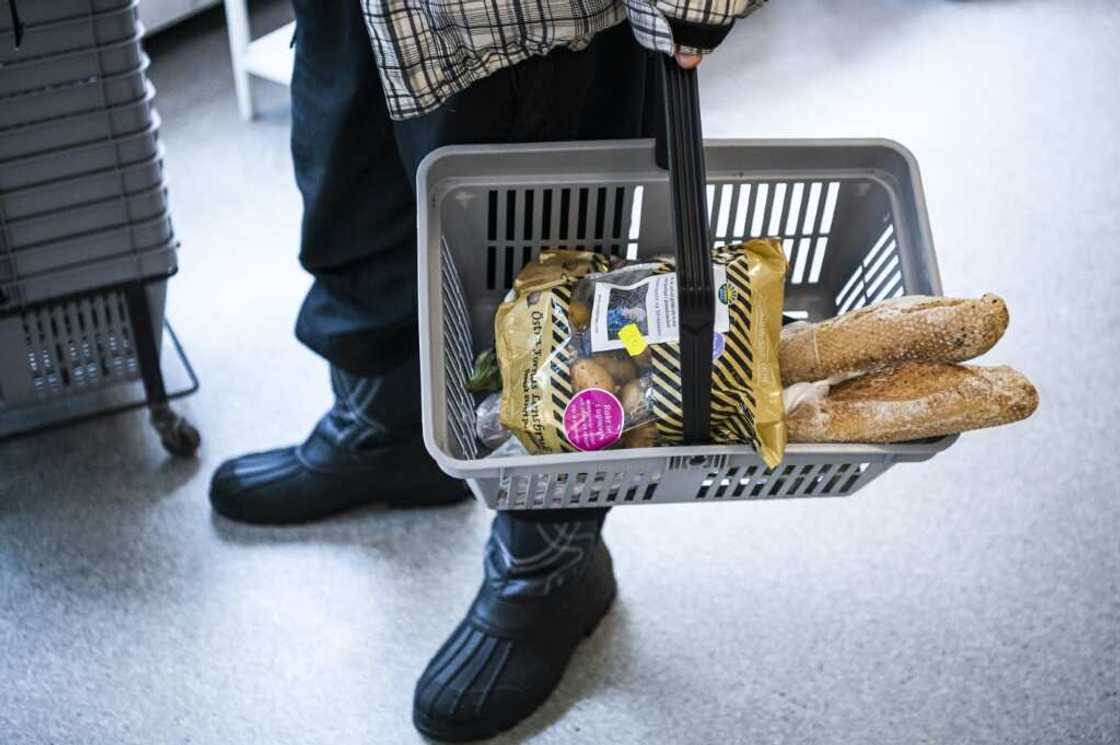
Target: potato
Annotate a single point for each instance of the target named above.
(645, 436)
(620, 368)
(580, 315)
(634, 401)
(587, 374)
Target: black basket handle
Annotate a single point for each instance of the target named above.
(680, 146)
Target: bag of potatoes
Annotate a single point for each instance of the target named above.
(589, 352)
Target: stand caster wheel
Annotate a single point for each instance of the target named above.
(178, 436)
(182, 441)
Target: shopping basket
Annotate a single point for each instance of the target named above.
(850, 213)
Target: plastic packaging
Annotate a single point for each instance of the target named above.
(488, 425)
(511, 448)
(590, 357)
(804, 393)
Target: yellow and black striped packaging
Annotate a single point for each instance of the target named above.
(589, 355)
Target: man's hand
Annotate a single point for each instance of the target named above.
(688, 61)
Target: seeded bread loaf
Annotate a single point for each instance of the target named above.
(912, 401)
(910, 328)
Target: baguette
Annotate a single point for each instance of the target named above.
(911, 328)
(913, 401)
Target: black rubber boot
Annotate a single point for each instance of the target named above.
(547, 587)
(364, 450)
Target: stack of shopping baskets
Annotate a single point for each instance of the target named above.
(86, 243)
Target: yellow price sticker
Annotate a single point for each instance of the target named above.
(631, 337)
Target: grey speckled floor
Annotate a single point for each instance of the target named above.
(972, 600)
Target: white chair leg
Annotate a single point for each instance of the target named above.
(237, 25)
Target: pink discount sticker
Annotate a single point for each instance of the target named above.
(593, 419)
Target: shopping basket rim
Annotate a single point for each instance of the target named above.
(869, 452)
(432, 186)
(423, 171)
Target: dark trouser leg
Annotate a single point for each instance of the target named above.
(358, 240)
(548, 575)
(356, 170)
(359, 225)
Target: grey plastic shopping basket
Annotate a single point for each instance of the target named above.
(70, 357)
(97, 125)
(65, 68)
(851, 215)
(91, 30)
(54, 196)
(117, 211)
(80, 160)
(74, 98)
(47, 11)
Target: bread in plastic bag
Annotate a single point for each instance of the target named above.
(589, 353)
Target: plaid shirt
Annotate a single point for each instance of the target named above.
(428, 50)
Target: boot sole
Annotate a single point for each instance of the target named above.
(278, 518)
(483, 729)
(276, 503)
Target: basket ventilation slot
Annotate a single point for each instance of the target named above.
(458, 358)
(606, 220)
(520, 222)
(878, 276)
(83, 343)
(800, 213)
(756, 482)
(582, 489)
